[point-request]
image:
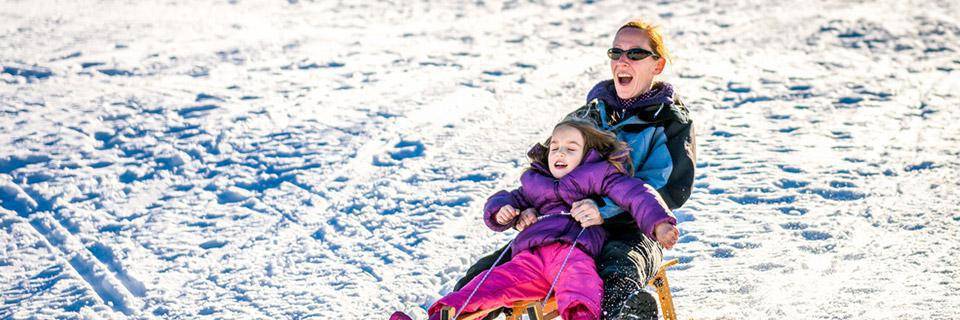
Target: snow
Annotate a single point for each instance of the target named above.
(255, 159)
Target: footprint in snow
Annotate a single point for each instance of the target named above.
(407, 149)
(723, 253)
(814, 235)
(13, 162)
(688, 239)
(213, 244)
(788, 129)
(790, 169)
(842, 184)
(753, 199)
(737, 87)
(920, 166)
(479, 177)
(849, 100)
(766, 266)
(792, 211)
(791, 184)
(794, 226)
(837, 195)
(204, 96)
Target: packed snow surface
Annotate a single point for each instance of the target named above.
(329, 160)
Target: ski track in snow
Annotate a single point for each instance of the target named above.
(245, 159)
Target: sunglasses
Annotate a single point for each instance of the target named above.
(635, 54)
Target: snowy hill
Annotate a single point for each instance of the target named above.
(293, 160)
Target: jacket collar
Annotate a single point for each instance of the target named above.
(651, 107)
(592, 156)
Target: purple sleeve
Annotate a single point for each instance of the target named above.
(640, 199)
(514, 198)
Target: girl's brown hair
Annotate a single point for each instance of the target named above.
(604, 142)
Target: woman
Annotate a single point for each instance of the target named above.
(651, 119)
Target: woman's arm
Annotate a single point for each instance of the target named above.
(680, 146)
(664, 154)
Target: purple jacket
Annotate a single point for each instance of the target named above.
(551, 197)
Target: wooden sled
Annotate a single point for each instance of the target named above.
(534, 311)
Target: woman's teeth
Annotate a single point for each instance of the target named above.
(624, 79)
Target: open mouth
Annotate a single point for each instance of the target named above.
(624, 79)
(559, 165)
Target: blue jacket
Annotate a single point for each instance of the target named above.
(660, 133)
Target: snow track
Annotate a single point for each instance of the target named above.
(116, 290)
(112, 285)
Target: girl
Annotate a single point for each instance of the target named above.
(577, 162)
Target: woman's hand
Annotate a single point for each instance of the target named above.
(527, 217)
(506, 214)
(586, 213)
(666, 234)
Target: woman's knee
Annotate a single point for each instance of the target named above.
(627, 260)
(619, 263)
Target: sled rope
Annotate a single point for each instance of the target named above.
(551, 215)
(502, 253)
(562, 266)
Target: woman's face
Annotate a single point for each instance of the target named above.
(632, 78)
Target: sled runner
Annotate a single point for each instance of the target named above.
(534, 311)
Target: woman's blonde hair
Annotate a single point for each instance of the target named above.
(653, 32)
(604, 142)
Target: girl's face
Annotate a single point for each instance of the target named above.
(566, 150)
(633, 77)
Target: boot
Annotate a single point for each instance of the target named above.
(641, 305)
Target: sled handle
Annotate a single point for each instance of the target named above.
(446, 313)
(662, 285)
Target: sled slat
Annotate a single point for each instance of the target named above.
(534, 311)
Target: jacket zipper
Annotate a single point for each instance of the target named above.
(556, 189)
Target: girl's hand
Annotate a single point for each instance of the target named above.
(586, 213)
(527, 217)
(666, 234)
(506, 214)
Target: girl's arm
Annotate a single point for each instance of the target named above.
(502, 198)
(639, 198)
